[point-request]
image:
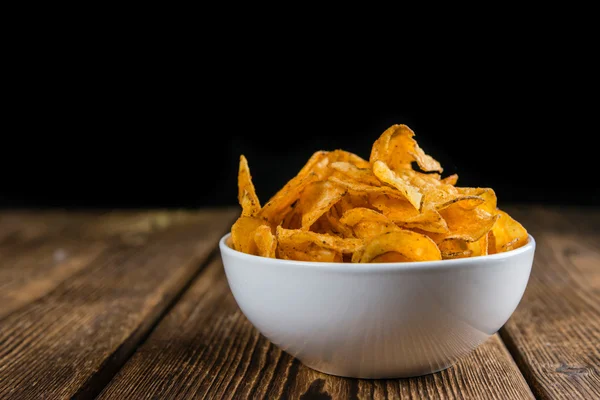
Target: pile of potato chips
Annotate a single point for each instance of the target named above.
(342, 208)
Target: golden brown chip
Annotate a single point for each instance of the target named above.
(362, 175)
(508, 233)
(367, 223)
(386, 175)
(450, 180)
(397, 148)
(454, 248)
(390, 257)
(309, 252)
(414, 246)
(488, 195)
(342, 208)
(491, 242)
(429, 220)
(295, 238)
(266, 242)
(316, 199)
(242, 234)
(246, 192)
(346, 156)
(467, 225)
(359, 189)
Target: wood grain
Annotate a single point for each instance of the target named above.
(70, 342)
(554, 335)
(206, 348)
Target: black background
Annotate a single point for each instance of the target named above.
(138, 135)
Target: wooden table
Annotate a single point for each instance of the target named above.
(128, 305)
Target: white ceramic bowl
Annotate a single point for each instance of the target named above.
(385, 320)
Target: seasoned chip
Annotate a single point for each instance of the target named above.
(414, 246)
(397, 148)
(266, 242)
(367, 223)
(362, 175)
(488, 195)
(242, 234)
(317, 198)
(450, 180)
(291, 237)
(467, 225)
(390, 257)
(508, 233)
(343, 208)
(385, 174)
(246, 193)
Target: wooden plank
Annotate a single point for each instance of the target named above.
(206, 348)
(554, 335)
(71, 341)
(41, 249)
(38, 251)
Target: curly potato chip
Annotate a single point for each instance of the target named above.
(293, 237)
(317, 198)
(467, 225)
(343, 208)
(508, 233)
(362, 175)
(368, 223)
(246, 192)
(454, 248)
(390, 257)
(450, 180)
(386, 175)
(412, 245)
(361, 188)
(346, 156)
(266, 242)
(490, 202)
(242, 234)
(397, 148)
(310, 252)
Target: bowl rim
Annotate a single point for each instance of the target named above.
(480, 261)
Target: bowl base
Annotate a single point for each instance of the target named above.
(414, 373)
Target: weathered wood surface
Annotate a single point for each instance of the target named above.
(80, 292)
(76, 328)
(554, 335)
(206, 348)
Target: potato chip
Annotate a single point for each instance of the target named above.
(414, 246)
(336, 226)
(467, 225)
(385, 174)
(491, 242)
(488, 195)
(242, 234)
(361, 188)
(296, 238)
(508, 233)
(397, 148)
(310, 252)
(454, 248)
(390, 257)
(317, 198)
(266, 242)
(343, 208)
(246, 192)
(346, 156)
(362, 175)
(429, 220)
(450, 180)
(368, 223)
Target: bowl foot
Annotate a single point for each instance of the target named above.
(407, 373)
